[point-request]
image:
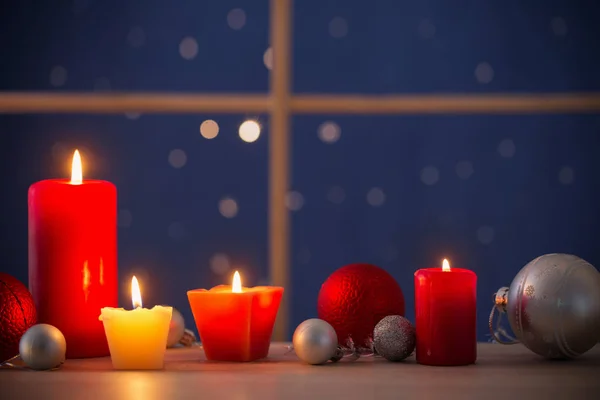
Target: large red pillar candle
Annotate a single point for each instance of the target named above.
(73, 257)
(445, 316)
(235, 323)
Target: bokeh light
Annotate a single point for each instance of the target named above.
(268, 58)
(177, 158)
(209, 129)
(58, 76)
(249, 131)
(188, 48)
(236, 19)
(220, 264)
(376, 197)
(329, 132)
(294, 201)
(228, 207)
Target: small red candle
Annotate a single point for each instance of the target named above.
(235, 323)
(73, 257)
(445, 316)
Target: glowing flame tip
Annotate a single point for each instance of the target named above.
(76, 170)
(136, 296)
(445, 265)
(236, 287)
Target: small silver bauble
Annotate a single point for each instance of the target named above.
(176, 328)
(394, 338)
(315, 341)
(43, 347)
(553, 306)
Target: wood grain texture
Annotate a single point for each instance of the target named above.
(502, 372)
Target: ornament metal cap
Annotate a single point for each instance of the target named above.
(501, 299)
(500, 306)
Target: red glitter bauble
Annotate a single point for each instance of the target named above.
(17, 314)
(355, 298)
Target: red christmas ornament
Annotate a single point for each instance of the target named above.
(355, 298)
(17, 314)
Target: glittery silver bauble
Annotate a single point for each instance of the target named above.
(394, 338)
(176, 329)
(553, 306)
(43, 347)
(315, 341)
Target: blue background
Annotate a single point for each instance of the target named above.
(488, 192)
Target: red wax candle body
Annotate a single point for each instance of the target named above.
(445, 316)
(73, 259)
(235, 326)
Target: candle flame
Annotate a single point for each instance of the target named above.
(136, 296)
(236, 287)
(445, 265)
(76, 170)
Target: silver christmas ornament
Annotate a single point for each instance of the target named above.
(43, 347)
(176, 329)
(315, 341)
(553, 306)
(394, 338)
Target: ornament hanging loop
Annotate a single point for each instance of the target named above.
(10, 363)
(500, 307)
(13, 363)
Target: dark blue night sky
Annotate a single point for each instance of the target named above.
(488, 192)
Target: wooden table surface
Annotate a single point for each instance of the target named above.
(501, 372)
